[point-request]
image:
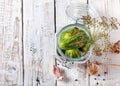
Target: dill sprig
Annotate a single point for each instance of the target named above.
(100, 30)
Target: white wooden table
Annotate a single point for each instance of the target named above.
(27, 39)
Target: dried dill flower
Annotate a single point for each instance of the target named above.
(104, 23)
(113, 23)
(97, 51)
(86, 19)
(100, 29)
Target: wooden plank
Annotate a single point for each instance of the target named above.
(108, 8)
(75, 75)
(39, 42)
(11, 70)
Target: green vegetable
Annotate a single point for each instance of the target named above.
(74, 41)
(86, 47)
(73, 38)
(74, 53)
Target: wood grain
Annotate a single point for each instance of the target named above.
(10, 43)
(39, 42)
(31, 25)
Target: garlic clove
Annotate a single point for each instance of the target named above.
(56, 71)
(93, 69)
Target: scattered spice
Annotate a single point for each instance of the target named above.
(105, 72)
(66, 62)
(98, 74)
(97, 83)
(72, 62)
(76, 79)
(103, 79)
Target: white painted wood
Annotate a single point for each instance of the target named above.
(10, 43)
(76, 71)
(39, 42)
(108, 8)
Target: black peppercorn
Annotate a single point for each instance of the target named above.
(103, 79)
(95, 79)
(97, 83)
(105, 72)
(98, 74)
(76, 79)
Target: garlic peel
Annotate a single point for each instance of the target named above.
(57, 73)
(93, 69)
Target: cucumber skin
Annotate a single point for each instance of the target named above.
(73, 53)
(69, 41)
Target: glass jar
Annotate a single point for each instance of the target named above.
(76, 12)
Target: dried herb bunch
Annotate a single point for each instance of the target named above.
(100, 32)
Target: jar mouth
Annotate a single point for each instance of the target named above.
(78, 10)
(62, 54)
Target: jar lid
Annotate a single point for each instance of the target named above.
(77, 11)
